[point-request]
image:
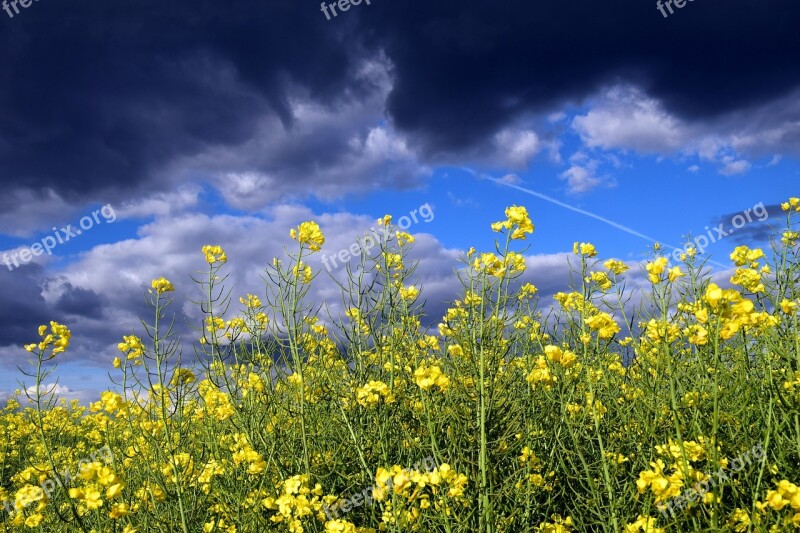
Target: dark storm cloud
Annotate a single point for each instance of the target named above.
(24, 308)
(464, 68)
(79, 301)
(96, 96)
(101, 96)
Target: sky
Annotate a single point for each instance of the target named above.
(133, 134)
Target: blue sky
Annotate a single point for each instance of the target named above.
(235, 125)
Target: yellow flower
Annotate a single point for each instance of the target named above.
(603, 324)
(616, 266)
(340, 526)
(617, 458)
(214, 323)
(471, 299)
(697, 334)
(674, 273)
(162, 285)
(132, 346)
(517, 218)
(749, 279)
(527, 291)
(214, 254)
(740, 520)
(309, 233)
(455, 350)
(58, 337)
(775, 500)
(89, 496)
(788, 306)
(373, 392)
(252, 301)
(713, 295)
(554, 353)
(540, 373)
(111, 401)
(427, 377)
(118, 510)
(182, 376)
(558, 525)
(645, 524)
(690, 253)
(302, 271)
(655, 269)
(515, 262)
(601, 279)
(404, 238)
(491, 264)
(585, 249)
(28, 495)
(488, 262)
(409, 293)
(34, 520)
(742, 255)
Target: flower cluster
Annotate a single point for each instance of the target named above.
(57, 339)
(517, 221)
(571, 414)
(214, 254)
(310, 234)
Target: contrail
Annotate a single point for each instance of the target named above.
(589, 214)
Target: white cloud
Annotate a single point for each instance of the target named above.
(625, 118)
(170, 247)
(60, 392)
(162, 203)
(581, 176)
(246, 190)
(580, 179)
(50, 388)
(734, 167)
(515, 148)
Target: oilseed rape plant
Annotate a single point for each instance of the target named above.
(596, 412)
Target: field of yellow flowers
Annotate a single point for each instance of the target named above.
(681, 413)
